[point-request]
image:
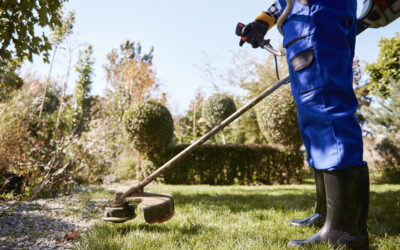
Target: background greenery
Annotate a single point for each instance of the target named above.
(51, 140)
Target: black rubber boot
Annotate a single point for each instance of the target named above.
(317, 219)
(347, 194)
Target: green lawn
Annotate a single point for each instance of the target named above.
(240, 217)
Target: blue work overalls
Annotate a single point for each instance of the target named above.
(319, 36)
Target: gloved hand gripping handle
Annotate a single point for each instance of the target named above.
(265, 44)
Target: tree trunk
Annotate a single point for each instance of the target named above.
(194, 123)
(47, 82)
(223, 137)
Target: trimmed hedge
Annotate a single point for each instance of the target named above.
(232, 164)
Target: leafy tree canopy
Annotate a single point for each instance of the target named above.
(80, 109)
(19, 20)
(387, 67)
(383, 117)
(129, 71)
(9, 79)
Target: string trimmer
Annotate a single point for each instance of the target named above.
(158, 208)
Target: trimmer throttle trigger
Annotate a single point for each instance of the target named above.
(239, 29)
(239, 32)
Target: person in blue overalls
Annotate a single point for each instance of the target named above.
(319, 37)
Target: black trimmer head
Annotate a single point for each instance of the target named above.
(119, 214)
(156, 208)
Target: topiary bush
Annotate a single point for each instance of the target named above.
(277, 119)
(150, 127)
(389, 151)
(217, 108)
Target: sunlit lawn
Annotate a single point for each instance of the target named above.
(240, 217)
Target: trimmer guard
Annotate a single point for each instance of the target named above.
(156, 208)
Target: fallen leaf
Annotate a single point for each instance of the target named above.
(72, 235)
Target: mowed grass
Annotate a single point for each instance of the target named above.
(240, 217)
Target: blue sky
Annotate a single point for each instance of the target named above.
(181, 32)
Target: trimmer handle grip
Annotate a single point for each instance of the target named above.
(265, 44)
(239, 32)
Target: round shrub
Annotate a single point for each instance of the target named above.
(150, 126)
(217, 108)
(277, 119)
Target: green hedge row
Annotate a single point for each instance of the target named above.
(232, 164)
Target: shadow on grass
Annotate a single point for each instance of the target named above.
(384, 210)
(238, 203)
(384, 213)
(186, 229)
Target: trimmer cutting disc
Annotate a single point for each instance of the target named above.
(119, 214)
